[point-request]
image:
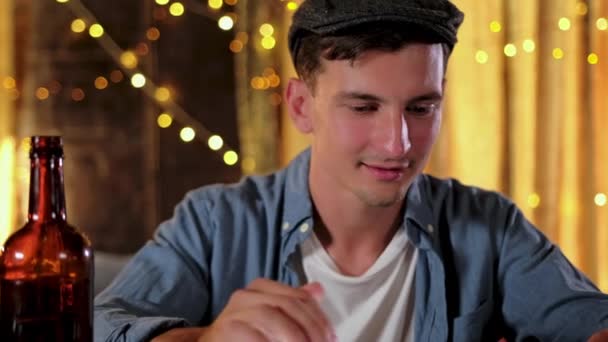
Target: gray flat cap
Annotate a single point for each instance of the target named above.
(326, 17)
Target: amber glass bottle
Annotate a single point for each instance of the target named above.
(46, 267)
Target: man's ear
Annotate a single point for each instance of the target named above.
(299, 102)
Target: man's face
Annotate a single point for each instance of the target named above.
(374, 121)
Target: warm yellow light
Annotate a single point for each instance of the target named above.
(292, 5)
(225, 23)
(187, 134)
(215, 4)
(62, 1)
(78, 25)
(258, 82)
(162, 94)
(593, 58)
(268, 43)
(236, 46)
(96, 30)
(101, 83)
(601, 200)
(138, 80)
(152, 33)
(534, 201)
(176, 9)
(164, 120)
(266, 30)
(274, 80)
(162, 2)
(7, 166)
(129, 59)
(495, 26)
(558, 53)
(510, 50)
(529, 45)
(582, 8)
(42, 93)
(602, 24)
(78, 94)
(215, 142)
(269, 72)
(482, 57)
(231, 158)
(564, 24)
(242, 36)
(116, 76)
(9, 83)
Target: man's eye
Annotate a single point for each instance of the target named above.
(422, 109)
(363, 109)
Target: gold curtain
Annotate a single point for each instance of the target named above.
(526, 114)
(7, 128)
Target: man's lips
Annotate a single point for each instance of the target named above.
(386, 172)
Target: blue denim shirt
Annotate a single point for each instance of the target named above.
(483, 270)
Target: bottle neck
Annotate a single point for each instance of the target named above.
(47, 197)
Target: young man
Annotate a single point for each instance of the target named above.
(351, 242)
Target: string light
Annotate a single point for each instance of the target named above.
(225, 23)
(162, 94)
(101, 83)
(266, 30)
(534, 201)
(62, 1)
(231, 2)
(128, 59)
(215, 142)
(558, 53)
(593, 58)
(96, 30)
(187, 134)
(153, 34)
(164, 120)
(529, 45)
(215, 4)
(162, 2)
(236, 46)
(510, 50)
(601, 200)
(78, 25)
(495, 26)
(116, 76)
(481, 57)
(564, 24)
(268, 43)
(602, 24)
(292, 5)
(176, 9)
(582, 8)
(138, 80)
(231, 158)
(42, 93)
(9, 83)
(78, 94)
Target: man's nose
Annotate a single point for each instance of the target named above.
(395, 136)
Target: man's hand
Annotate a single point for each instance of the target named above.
(265, 311)
(270, 311)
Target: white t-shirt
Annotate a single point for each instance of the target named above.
(376, 306)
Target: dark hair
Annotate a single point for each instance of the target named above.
(351, 44)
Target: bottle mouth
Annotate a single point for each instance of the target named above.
(46, 145)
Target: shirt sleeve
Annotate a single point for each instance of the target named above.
(544, 295)
(165, 285)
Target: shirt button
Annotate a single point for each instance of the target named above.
(304, 227)
(286, 225)
(430, 228)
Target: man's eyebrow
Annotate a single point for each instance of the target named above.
(354, 95)
(432, 96)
